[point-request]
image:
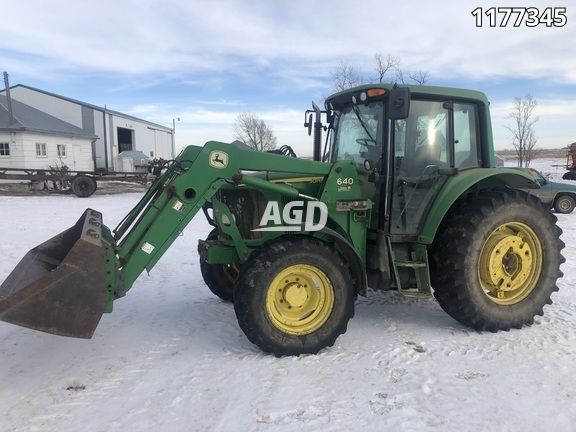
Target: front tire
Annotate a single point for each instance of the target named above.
(295, 296)
(496, 260)
(220, 278)
(564, 204)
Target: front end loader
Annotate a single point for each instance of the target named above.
(403, 195)
(64, 285)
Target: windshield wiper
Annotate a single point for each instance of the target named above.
(357, 112)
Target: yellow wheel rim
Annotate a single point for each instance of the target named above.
(300, 299)
(510, 263)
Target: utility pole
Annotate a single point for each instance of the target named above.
(174, 136)
(8, 98)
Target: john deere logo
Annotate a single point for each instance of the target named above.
(218, 159)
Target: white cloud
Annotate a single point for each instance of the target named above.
(297, 39)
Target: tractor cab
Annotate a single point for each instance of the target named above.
(407, 141)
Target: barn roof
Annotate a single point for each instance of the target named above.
(30, 119)
(92, 106)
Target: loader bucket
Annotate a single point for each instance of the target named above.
(59, 287)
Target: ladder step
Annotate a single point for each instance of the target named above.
(411, 264)
(414, 293)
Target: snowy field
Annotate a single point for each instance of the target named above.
(171, 357)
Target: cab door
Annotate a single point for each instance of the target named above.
(437, 140)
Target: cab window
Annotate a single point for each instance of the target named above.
(465, 136)
(358, 135)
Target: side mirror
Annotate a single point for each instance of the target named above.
(308, 124)
(313, 121)
(317, 152)
(399, 103)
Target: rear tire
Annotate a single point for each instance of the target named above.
(219, 278)
(294, 296)
(496, 259)
(83, 186)
(564, 204)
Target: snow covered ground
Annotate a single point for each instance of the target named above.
(171, 357)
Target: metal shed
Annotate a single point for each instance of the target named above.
(115, 131)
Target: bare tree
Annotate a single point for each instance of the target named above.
(345, 76)
(385, 65)
(531, 152)
(400, 76)
(419, 77)
(523, 136)
(254, 132)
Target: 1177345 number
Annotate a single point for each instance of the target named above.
(518, 16)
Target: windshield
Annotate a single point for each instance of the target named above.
(358, 135)
(539, 177)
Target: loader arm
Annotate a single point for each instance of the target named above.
(177, 196)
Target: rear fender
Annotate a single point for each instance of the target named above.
(478, 178)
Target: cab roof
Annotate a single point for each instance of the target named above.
(419, 90)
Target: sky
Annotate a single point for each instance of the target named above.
(205, 62)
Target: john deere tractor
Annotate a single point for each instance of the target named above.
(401, 194)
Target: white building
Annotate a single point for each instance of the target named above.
(32, 139)
(115, 132)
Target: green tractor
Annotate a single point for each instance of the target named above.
(402, 194)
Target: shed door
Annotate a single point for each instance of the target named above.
(125, 139)
(77, 157)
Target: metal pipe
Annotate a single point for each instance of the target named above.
(258, 183)
(8, 98)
